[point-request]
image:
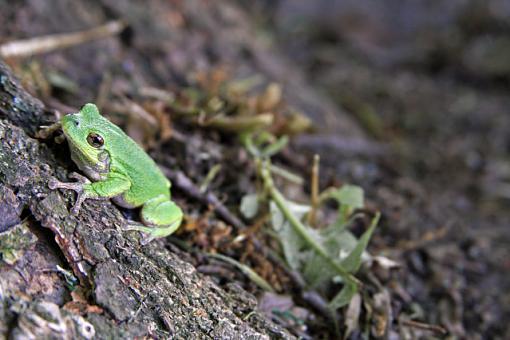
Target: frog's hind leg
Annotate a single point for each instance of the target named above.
(160, 217)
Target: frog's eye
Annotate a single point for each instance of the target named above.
(95, 140)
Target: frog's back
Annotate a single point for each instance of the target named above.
(147, 180)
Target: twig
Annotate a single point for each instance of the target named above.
(427, 238)
(155, 93)
(278, 198)
(425, 326)
(240, 123)
(341, 145)
(181, 181)
(285, 174)
(252, 275)
(104, 90)
(317, 302)
(314, 190)
(48, 43)
(133, 109)
(210, 177)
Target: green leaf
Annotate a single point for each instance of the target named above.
(249, 205)
(247, 140)
(338, 242)
(344, 296)
(274, 148)
(350, 195)
(315, 272)
(349, 198)
(352, 262)
(263, 137)
(292, 242)
(263, 144)
(320, 255)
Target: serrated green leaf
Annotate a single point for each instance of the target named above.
(249, 205)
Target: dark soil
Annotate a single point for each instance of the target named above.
(425, 79)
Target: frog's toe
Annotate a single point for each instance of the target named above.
(80, 178)
(146, 232)
(149, 234)
(79, 201)
(75, 210)
(53, 183)
(146, 239)
(60, 139)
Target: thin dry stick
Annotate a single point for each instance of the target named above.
(184, 183)
(48, 43)
(314, 190)
(427, 238)
(241, 123)
(425, 326)
(104, 90)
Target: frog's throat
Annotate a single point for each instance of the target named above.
(94, 166)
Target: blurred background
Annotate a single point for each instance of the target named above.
(408, 99)
(432, 79)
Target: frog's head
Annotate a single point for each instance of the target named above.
(86, 133)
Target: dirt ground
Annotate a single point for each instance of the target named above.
(408, 100)
(430, 80)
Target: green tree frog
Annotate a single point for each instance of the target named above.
(119, 169)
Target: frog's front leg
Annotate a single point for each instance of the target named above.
(160, 216)
(46, 131)
(113, 185)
